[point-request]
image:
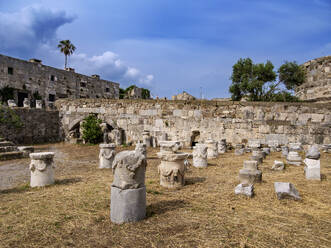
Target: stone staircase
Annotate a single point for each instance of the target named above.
(8, 150)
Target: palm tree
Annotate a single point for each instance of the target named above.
(67, 48)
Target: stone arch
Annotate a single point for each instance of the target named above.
(195, 136)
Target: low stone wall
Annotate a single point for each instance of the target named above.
(183, 120)
(38, 126)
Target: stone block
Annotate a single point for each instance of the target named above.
(286, 191)
(243, 189)
(313, 152)
(127, 205)
(312, 169)
(42, 169)
(250, 176)
(258, 159)
(293, 158)
(250, 165)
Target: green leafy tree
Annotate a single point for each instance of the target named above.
(67, 48)
(249, 79)
(291, 75)
(145, 94)
(92, 132)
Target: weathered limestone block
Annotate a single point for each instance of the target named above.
(326, 148)
(257, 156)
(222, 146)
(313, 152)
(147, 138)
(26, 150)
(128, 191)
(212, 151)
(244, 189)
(250, 173)
(295, 147)
(11, 103)
(39, 104)
(169, 146)
(312, 169)
(26, 103)
(293, 158)
(141, 148)
(106, 155)
(42, 169)
(200, 156)
(286, 191)
(172, 168)
(278, 165)
(239, 149)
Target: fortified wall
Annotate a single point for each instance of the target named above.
(194, 121)
(31, 77)
(318, 80)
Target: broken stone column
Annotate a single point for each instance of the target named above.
(200, 156)
(147, 138)
(286, 191)
(222, 146)
(172, 168)
(128, 191)
(11, 103)
(211, 149)
(278, 165)
(250, 173)
(293, 158)
(26, 103)
(106, 155)
(239, 149)
(312, 163)
(42, 169)
(39, 104)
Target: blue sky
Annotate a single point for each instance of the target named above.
(165, 45)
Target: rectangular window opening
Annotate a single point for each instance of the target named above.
(10, 70)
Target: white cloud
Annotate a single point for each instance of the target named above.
(111, 67)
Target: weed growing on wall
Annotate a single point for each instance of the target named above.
(92, 132)
(9, 118)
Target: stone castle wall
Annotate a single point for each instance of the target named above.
(181, 120)
(39, 126)
(318, 80)
(51, 83)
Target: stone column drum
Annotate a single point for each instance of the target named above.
(106, 155)
(172, 168)
(200, 156)
(42, 169)
(212, 149)
(128, 191)
(26, 103)
(39, 104)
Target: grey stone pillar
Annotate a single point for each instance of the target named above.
(200, 156)
(39, 104)
(42, 169)
(128, 192)
(212, 149)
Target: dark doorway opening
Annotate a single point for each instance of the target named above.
(21, 97)
(195, 138)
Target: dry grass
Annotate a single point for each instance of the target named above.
(205, 213)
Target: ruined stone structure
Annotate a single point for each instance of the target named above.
(183, 96)
(307, 123)
(318, 80)
(106, 155)
(31, 78)
(42, 169)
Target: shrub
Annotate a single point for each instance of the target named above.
(92, 132)
(9, 118)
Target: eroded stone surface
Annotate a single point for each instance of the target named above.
(212, 151)
(222, 146)
(293, 158)
(312, 169)
(42, 169)
(313, 152)
(278, 165)
(106, 155)
(286, 191)
(243, 189)
(200, 156)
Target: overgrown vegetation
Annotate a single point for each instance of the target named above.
(36, 96)
(257, 82)
(9, 118)
(145, 93)
(92, 132)
(6, 93)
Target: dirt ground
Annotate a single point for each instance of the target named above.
(75, 212)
